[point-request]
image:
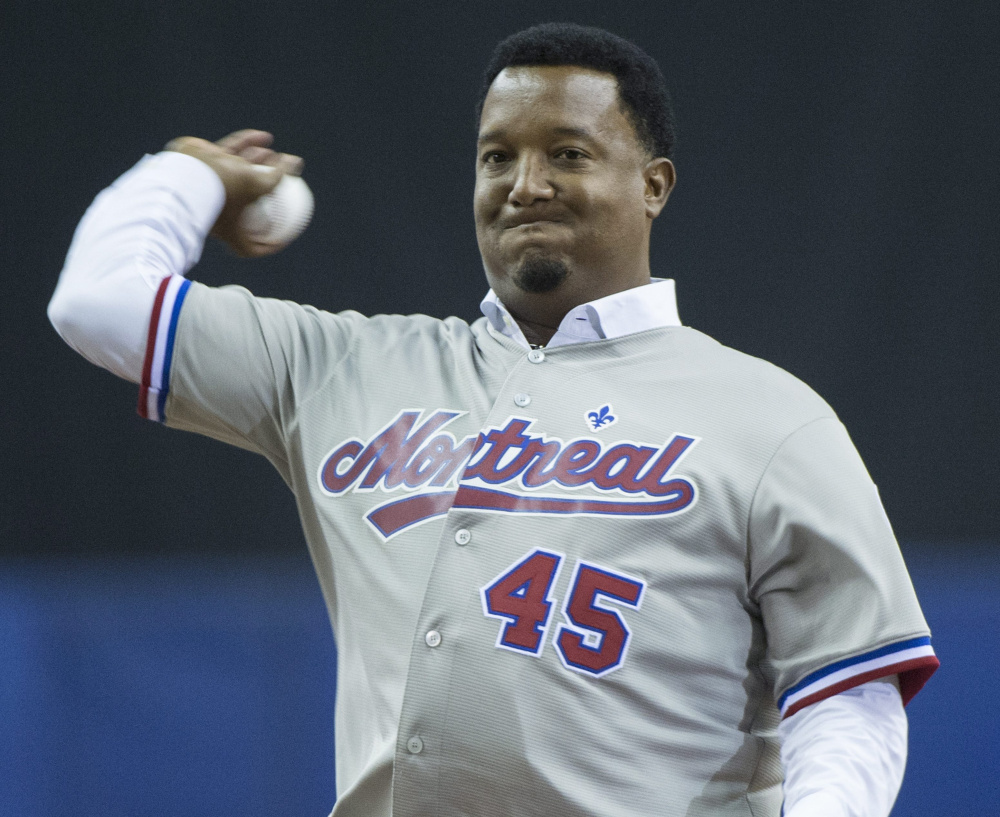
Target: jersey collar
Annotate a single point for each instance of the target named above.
(633, 310)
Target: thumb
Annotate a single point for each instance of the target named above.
(262, 181)
(254, 181)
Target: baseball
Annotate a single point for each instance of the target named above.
(279, 217)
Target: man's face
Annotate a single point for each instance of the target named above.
(565, 193)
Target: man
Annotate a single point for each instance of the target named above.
(579, 559)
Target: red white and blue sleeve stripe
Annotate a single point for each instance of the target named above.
(913, 660)
(155, 383)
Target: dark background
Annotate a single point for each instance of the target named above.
(836, 213)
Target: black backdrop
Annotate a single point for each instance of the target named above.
(836, 213)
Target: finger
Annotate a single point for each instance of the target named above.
(241, 139)
(249, 248)
(257, 155)
(186, 144)
(258, 249)
(285, 162)
(264, 180)
(292, 165)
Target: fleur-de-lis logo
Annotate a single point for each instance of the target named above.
(602, 418)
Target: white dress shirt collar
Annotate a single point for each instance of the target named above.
(651, 306)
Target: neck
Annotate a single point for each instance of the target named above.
(539, 317)
(536, 334)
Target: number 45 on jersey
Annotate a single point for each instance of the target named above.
(593, 638)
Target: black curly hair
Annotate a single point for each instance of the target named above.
(641, 87)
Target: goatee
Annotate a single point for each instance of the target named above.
(540, 274)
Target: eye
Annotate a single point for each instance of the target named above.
(493, 157)
(572, 154)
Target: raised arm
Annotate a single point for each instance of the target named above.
(150, 224)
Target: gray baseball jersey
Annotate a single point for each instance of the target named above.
(579, 581)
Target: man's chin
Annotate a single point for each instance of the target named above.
(540, 274)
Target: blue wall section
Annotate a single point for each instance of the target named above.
(184, 687)
(178, 687)
(954, 766)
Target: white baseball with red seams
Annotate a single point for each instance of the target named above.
(279, 217)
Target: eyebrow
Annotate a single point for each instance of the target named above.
(499, 134)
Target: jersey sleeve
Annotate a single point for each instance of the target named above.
(235, 367)
(150, 224)
(834, 594)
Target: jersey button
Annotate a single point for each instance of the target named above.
(415, 745)
(536, 355)
(522, 399)
(433, 638)
(463, 537)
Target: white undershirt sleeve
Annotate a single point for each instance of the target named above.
(844, 756)
(151, 223)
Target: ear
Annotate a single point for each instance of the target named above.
(659, 176)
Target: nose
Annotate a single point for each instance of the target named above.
(531, 183)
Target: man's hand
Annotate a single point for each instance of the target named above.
(234, 158)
